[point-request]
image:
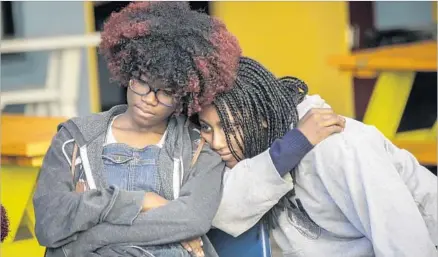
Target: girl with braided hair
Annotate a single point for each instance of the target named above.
(123, 182)
(353, 194)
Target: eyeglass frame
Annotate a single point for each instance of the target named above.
(155, 90)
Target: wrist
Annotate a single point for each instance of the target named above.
(152, 200)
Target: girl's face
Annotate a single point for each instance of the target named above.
(213, 132)
(150, 104)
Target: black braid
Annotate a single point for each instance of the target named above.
(257, 97)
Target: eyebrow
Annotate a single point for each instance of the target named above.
(143, 78)
(218, 123)
(201, 120)
(142, 81)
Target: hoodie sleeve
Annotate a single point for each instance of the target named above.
(255, 185)
(61, 213)
(287, 152)
(188, 216)
(366, 186)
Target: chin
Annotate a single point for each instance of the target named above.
(146, 120)
(231, 164)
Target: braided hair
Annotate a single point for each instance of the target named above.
(263, 108)
(258, 100)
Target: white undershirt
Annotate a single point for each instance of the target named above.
(110, 139)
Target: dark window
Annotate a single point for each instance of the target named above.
(7, 19)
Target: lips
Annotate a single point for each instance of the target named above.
(145, 111)
(226, 156)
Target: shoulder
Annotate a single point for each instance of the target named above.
(195, 134)
(93, 124)
(340, 149)
(100, 117)
(192, 129)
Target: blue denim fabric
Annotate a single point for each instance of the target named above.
(132, 169)
(173, 250)
(135, 170)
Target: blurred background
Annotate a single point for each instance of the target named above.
(373, 61)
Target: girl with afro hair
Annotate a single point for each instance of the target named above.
(105, 175)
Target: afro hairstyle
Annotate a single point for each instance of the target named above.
(191, 52)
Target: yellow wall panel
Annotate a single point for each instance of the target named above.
(295, 38)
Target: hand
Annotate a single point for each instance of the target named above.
(152, 200)
(319, 123)
(194, 247)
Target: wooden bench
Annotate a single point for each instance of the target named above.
(395, 67)
(25, 141)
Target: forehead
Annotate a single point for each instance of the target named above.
(210, 114)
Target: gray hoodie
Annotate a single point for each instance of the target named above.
(366, 196)
(81, 224)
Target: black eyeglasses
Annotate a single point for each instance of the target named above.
(164, 96)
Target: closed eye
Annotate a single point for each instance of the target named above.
(168, 92)
(205, 128)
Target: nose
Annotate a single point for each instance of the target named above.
(219, 141)
(150, 98)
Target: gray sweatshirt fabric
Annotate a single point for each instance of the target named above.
(366, 196)
(102, 218)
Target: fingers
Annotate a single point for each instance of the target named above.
(199, 251)
(333, 129)
(320, 111)
(186, 246)
(195, 247)
(332, 120)
(315, 113)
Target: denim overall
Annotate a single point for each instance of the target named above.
(135, 170)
